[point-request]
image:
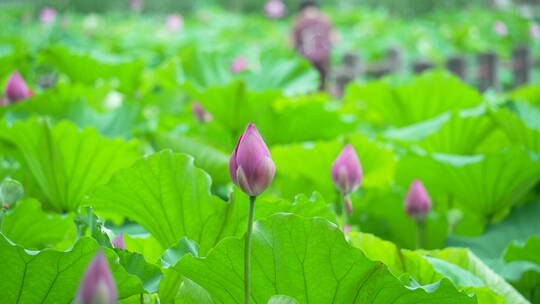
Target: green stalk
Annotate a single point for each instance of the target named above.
(247, 251)
(420, 233)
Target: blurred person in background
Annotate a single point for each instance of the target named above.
(313, 36)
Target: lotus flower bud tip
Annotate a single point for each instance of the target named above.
(347, 171)
(417, 201)
(118, 242)
(251, 166)
(97, 284)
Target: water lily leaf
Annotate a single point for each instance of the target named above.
(68, 163)
(427, 96)
(51, 276)
(308, 260)
(29, 226)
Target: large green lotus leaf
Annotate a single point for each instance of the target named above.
(490, 247)
(135, 264)
(426, 97)
(287, 128)
(308, 260)
(207, 157)
(459, 265)
(520, 123)
(527, 256)
(275, 116)
(204, 68)
(309, 164)
(234, 107)
(66, 162)
(460, 132)
(89, 68)
(486, 185)
(85, 105)
(292, 75)
(170, 197)
(51, 276)
(529, 93)
(466, 260)
(530, 251)
(29, 226)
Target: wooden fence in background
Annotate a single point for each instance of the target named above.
(484, 68)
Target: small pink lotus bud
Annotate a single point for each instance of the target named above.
(136, 5)
(500, 28)
(200, 113)
(274, 9)
(97, 284)
(47, 15)
(251, 165)
(16, 88)
(417, 201)
(347, 171)
(174, 22)
(118, 242)
(239, 64)
(534, 29)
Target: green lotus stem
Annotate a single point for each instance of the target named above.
(247, 251)
(420, 233)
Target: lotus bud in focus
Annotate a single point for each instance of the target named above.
(200, 113)
(239, 64)
(347, 171)
(16, 89)
(275, 9)
(10, 192)
(417, 201)
(174, 23)
(47, 15)
(251, 165)
(97, 286)
(118, 242)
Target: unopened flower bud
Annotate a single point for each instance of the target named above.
(239, 64)
(118, 242)
(347, 171)
(16, 88)
(417, 201)
(97, 286)
(174, 22)
(47, 15)
(251, 165)
(10, 191)
(200, 113)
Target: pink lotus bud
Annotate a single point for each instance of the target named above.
(251, 165)
(534, 29)
(97, 284)
(136, 5)
(118, 242)
(16, 88)
(417, 201)
(274, 9)
(200, 113)
(239, 64)
(500, 28)
(348, 205)
(347, 171)
(47, 15)
(174, 22)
